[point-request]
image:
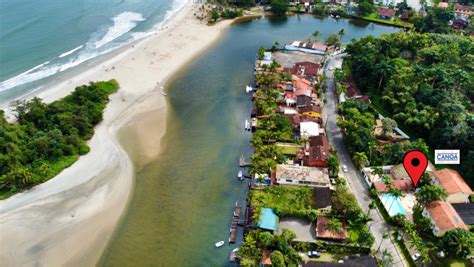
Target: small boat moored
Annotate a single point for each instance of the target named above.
(248, 89)
(219, 244)
(240, 175)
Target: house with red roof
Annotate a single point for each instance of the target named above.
(457, 189)
(305, 68)
(463, 10)
(317, 152)
(443, 217)
(323, 232)
(386, 13)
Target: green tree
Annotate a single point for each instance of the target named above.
(334, 225)
(388, 125)
(360, 159)
(316, 34)
(366, 8)
(214, 14)
(436, 20)
(278, 260)
(279, 7)
(333, 40)
(429, 193)
(458, 243)
(333, 164)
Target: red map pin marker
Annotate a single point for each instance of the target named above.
(415, 163)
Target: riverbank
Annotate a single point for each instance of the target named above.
(70, 219)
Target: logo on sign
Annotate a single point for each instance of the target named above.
(444, 156)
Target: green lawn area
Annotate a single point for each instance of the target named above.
(284, 200)
(289, 148)
(396, 22)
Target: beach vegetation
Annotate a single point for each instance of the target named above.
(279, 7)
(47, 138)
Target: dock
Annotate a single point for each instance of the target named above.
(242, 162)
(234, 224)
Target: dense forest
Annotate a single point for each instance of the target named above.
(425, 82)
(47, 138)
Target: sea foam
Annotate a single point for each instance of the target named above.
(123, 23)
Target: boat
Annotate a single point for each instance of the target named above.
(247, 125)
(219, 244)
(248, 89)
(240, 175)
(233, 255)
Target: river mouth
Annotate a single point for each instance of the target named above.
(184, 194)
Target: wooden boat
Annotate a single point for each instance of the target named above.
(219, 244)
(240, 175)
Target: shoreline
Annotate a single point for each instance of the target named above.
(69, 219)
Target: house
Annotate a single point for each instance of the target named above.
(301, 175)
(267, 220)
(398, 172)
(305, 68)
(466, 212)
(460, 22)
(402, 185)
(457, 189)
(322, 198)
(303, 101)
(317, 153)
(309, 128)
(353, 92)
(386, 13)
(320, 47)
(323, 232)
(266, 260)
(443, 217)
(463, 10)
(312, 111)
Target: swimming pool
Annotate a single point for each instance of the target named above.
(392, 205)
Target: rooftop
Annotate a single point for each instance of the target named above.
(386, 12)
(322, 197)
(309, 128)
(323, 232)
(302, 173)
(452, 181)
(466, 212)
(445, 216)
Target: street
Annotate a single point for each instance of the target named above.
(353, 177)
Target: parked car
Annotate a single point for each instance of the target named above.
(416, 256)
(314, 254)
(344, 168)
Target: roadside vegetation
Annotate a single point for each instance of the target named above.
(425, 82)
(47, 138)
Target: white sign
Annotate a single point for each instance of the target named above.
(445, 156)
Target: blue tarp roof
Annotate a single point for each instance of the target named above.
(268, 219)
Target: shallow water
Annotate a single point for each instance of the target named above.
(183, 201)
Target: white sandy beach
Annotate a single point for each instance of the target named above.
(69, 220)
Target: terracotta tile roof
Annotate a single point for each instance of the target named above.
(318, 153)
(387, 12)
(320, 46)
(452, 181)
(462, 8)
(402, 185)
(266, 258)
(310, 68)
(323, 232)
(320, 140)
(443, 4)
(445, 216)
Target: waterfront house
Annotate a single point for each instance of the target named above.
(349, 261)
(443, 217)
(323, 232)
(267, 220)
(301, 175)
(386, 13)
(457, 189)
(321, 47)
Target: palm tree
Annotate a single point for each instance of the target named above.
(384, 236)
(383, 68)
(360, 159)
(334, 225)
(316, 34)
(429, 193)
(341, 33)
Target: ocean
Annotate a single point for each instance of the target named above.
(40, 40)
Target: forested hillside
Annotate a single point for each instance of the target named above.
(425, 81)
(49, 137)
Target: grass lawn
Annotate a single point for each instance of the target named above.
(284, 200)
(374, 17)
(289, 148)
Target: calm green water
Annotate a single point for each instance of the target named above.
(182, 202)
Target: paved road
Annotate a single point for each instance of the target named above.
(355, 180)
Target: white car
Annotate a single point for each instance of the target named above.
(344, 168)
(416, 256)
(314, 254)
